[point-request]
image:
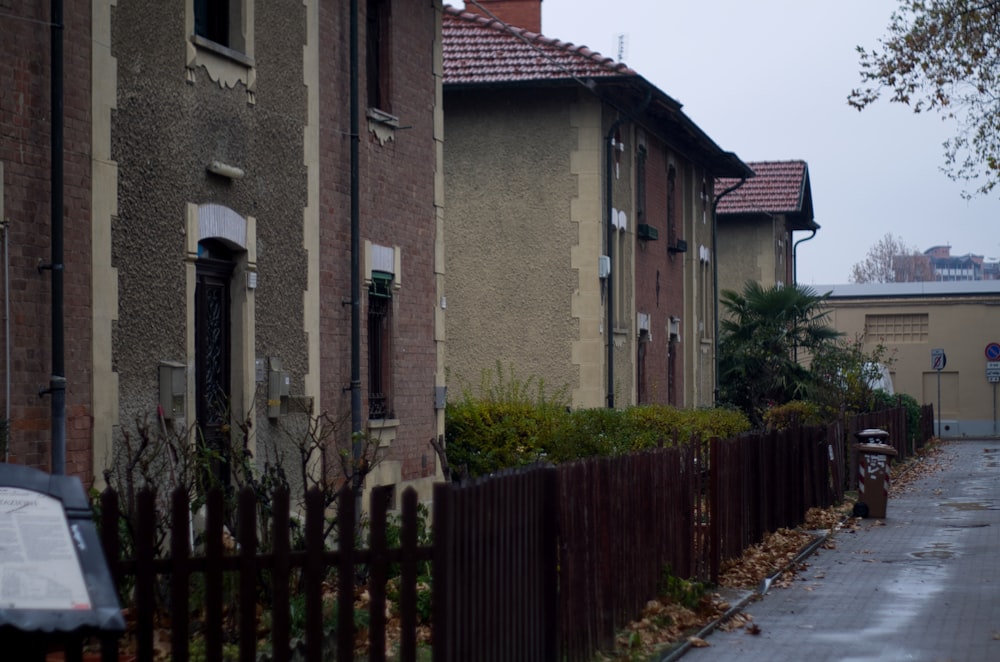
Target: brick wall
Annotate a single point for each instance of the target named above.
(659, 281)
(396, 209)
(525, 14)
(25, 108)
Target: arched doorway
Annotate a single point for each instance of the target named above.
(213, 352)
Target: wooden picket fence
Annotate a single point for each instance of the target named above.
(546, 563)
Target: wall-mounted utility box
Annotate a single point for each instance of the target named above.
(647, 232)
(173, 387)
(277, 389)
(603, 266)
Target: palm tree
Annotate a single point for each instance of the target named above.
(763, 329)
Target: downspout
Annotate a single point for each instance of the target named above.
(609, 164)
(795, 277)
(57, 382)
(356, 430)
(715, 279)
(6, 332)
(795, 257)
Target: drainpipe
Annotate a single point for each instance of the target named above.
(57, 382)
(795, 258)
(795, 277)
(609, 165)
(6, 323)
(356, 429)
(6, 331)
(715, 278)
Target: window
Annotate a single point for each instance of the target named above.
(671, 207)
(640, 186)
(380, 346)
(897, 328)
(221, 22)
(377, 46)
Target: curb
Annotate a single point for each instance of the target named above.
(678, 650)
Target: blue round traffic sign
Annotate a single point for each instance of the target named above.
(993, 352)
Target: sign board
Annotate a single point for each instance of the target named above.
(938, 359)
(993, 351)
(39, 568)
(53, 575)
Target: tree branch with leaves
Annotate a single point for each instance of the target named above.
(944, 56)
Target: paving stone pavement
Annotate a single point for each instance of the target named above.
(923, 584)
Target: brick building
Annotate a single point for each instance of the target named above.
(26, 212)
(208, 217)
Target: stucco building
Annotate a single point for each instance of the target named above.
(912, 320)
(580, 237)
(756, 222)
(209, 232)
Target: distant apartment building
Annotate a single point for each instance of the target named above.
(938, 264)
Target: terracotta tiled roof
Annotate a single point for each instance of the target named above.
(481, 50)
(778, 187)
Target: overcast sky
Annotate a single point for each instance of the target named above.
(768, 80)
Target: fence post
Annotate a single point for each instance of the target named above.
(214, 574)
(550, 563)
(180, 586)
(441, 589)
(145, 601)
(408, 577)
(314, 575)
(247, 533)
(377, 572)
(280, 615)
(715, 509)
(345, 575)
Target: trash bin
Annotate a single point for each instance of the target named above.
(873, 472)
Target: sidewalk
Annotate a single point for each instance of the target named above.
(923, 584)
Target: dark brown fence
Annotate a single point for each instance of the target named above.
(541, 564)
(235, 584)
(495, 568)
(926, 425)
(763, 482)
(623, 522)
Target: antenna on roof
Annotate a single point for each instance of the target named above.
(622, 46)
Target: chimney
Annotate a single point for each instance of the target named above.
(525, 14)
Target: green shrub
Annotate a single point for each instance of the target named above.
(503, 425)
(882, 400)
(796, 412)
(588, 433)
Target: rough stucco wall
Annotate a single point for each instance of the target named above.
(962, 327)
(741, 242)
(164, 132)
(509, 229)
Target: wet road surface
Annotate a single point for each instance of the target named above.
(923, 584)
